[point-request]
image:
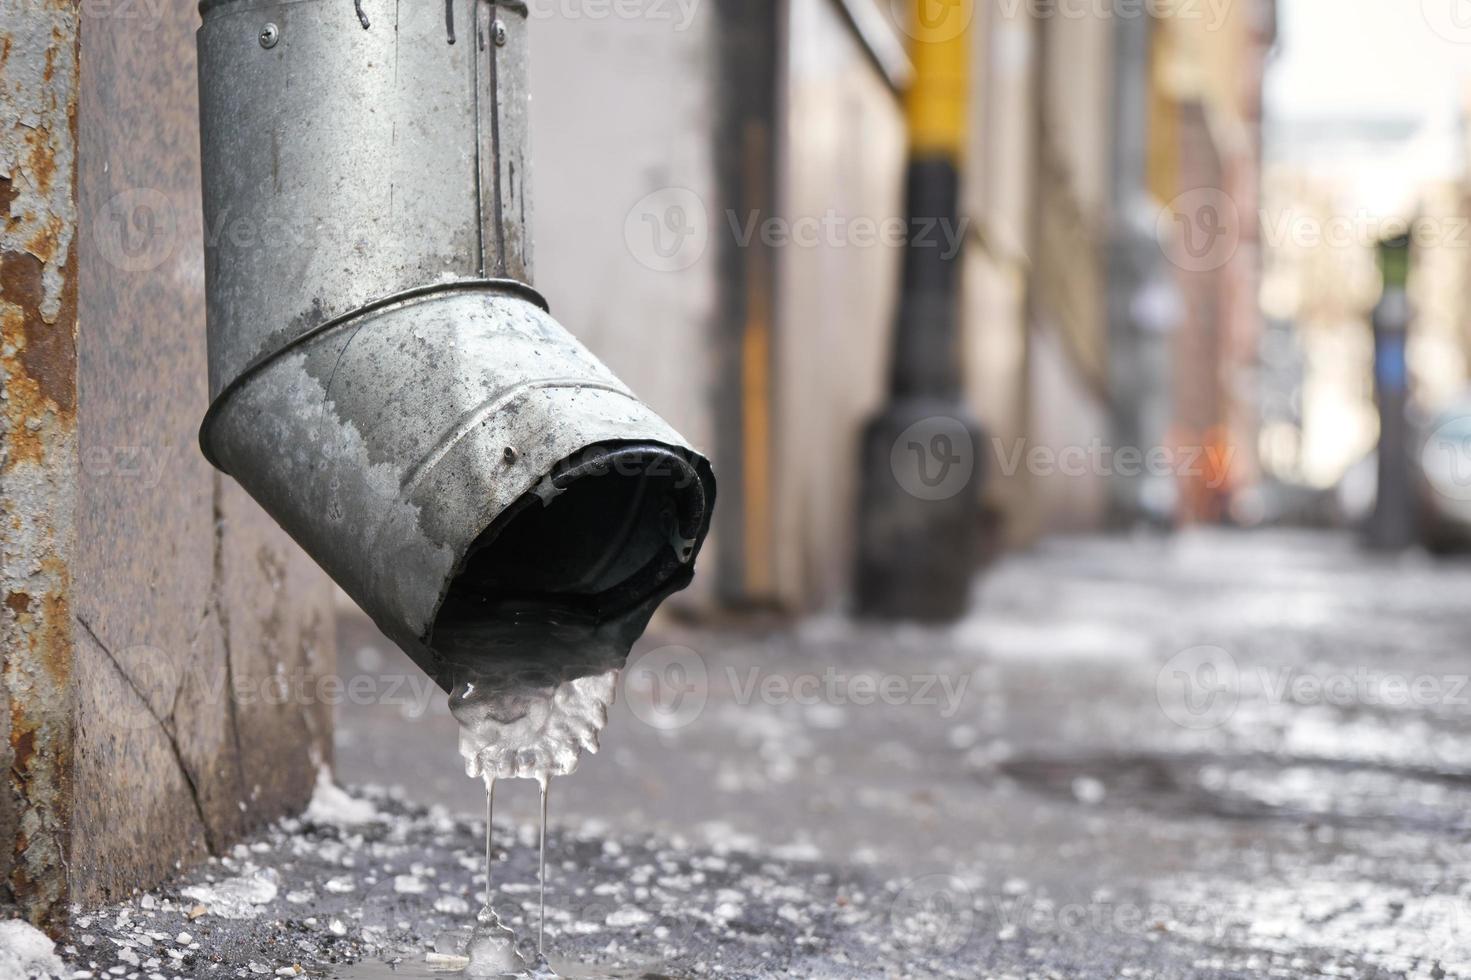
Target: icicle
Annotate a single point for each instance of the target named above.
(541, 875)
(489, 810)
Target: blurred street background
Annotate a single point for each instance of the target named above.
(1225, 754)
(1170, 213)
(1207, 711)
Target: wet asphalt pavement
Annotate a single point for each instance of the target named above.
(1216, 755)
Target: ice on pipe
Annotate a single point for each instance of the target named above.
(532, 726)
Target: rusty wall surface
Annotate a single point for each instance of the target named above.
(199, 622)
(38, 446)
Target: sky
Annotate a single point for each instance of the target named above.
(1356, 62)
(1348, 57)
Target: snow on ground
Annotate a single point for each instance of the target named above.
(333, 805)
(26, 953)
(1071, 818)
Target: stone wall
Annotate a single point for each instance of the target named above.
(158, 629)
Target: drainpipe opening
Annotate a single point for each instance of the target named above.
(604, 535)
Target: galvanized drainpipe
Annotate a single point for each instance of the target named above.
(384, 379)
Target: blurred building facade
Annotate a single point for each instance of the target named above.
(1102, 139)
(729, 262)
(1322, 280)
(1205, 161)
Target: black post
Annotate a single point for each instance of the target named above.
(1392, 526)
(921, 458)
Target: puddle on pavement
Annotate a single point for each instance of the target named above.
(1258, 788)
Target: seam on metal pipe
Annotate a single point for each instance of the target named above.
(406, 297)
(478, 44)
(479, 413)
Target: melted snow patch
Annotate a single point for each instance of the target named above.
(332, 805)
(409, 885)
(26, 952)
(242, 897)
